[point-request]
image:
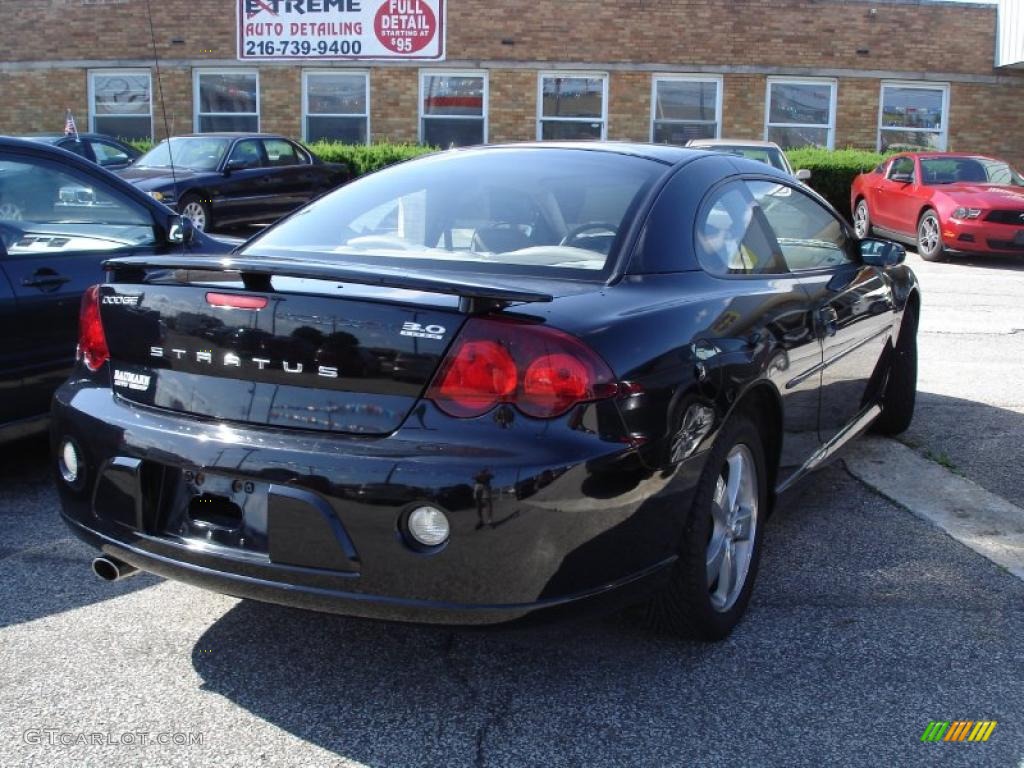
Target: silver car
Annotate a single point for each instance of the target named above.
(765, 151)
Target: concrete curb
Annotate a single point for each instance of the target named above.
(983, 521)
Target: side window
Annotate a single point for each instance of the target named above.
(48, 208)
(901, 165)
(75, 147)
(809, 236)
(108, 154)
(246, 154)
(732, 236)
(280, 152)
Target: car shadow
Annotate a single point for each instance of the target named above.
(972, 439)
(843, 576)
(44, 569)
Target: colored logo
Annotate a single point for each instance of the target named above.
(958, 730)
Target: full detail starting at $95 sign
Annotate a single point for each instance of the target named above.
(349, 30)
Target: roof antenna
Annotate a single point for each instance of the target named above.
(163, 104)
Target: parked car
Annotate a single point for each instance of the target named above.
(943, 203)
(105, 151)
(60, 217)
(220, 179)
(763, 151)
(619, 356)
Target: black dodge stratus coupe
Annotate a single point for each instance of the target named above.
(487, 384)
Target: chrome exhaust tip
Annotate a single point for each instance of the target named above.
(112, 569)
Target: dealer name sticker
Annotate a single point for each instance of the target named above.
(345, 30)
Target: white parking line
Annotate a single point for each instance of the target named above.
(983, 521)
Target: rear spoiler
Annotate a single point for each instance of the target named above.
(475, 295)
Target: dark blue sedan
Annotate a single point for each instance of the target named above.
(103, 150)
(221, 179)
(60, 217)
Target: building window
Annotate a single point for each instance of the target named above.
(801, 113)
(684, 108)
(913, 116)
(121, 103)
(226, 100)
(453, 109)
(335, 106)
(572, 106)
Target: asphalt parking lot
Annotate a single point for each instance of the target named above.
(867, 623)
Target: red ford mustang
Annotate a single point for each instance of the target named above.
(942, 202)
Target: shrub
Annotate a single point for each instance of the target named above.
(367, 158)
(143, 145)
(833, 171)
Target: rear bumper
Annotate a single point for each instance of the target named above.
(544, 517)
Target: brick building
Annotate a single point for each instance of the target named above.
(864, 73)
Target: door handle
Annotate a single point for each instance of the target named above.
(829, 320)
(45, 280)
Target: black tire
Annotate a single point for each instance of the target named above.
(900, 394)
(197, 209)
(684, 606)
(928, 248)
(862, 226)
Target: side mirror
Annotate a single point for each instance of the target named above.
(881, 253)
(803, 174)
(902, 178)
(235, 165)
(181, 230)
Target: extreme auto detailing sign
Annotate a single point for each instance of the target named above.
(340, 29)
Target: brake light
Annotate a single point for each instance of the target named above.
(92, 341)
(235, 301)
(541, 371)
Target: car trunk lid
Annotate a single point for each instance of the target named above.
(218, 338)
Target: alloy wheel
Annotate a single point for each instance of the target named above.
(928, 234)
(734, 515)
(194, 211)
(860, 220)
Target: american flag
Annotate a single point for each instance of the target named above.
(69, 125)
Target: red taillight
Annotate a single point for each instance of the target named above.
(542, 371)
(92, 342)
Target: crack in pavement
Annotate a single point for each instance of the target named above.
(495, 710)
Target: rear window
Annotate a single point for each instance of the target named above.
(767, 155)
(515, 210)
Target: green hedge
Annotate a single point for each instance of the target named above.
(143, 145)
(361, 158)
(367, 158)
(833, 171)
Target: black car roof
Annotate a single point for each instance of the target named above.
(664, 153)
(229, 135)
(57, 136)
